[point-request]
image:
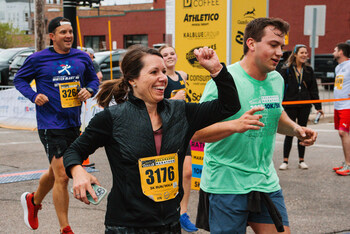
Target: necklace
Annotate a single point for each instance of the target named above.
(299, 77)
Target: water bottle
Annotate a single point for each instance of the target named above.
(318, 116)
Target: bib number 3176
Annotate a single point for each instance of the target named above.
(160, 177)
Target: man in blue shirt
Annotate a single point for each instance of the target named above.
(64, 78)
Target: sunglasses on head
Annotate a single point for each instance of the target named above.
(297, 47)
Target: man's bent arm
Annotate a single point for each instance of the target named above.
(23, 77)
(218, 131)
(286, 126)
(214, 132)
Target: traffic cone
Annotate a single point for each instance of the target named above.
(87, 163)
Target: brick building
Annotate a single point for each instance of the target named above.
(130, 24)
(146, 26)
(145, 23)
(148, 23)
(337, 22)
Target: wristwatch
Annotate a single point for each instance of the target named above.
(90, 90)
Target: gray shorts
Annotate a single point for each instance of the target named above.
(228, 212)
(56, 141)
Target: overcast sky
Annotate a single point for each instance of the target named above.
(124, 2)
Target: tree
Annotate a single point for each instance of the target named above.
(11, 36)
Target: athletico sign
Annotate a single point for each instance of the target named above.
(204, 23)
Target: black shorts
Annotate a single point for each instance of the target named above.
(56, 141)
(202, 220)
(188, 151)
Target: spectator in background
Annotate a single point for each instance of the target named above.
(342, 109)
(91, 53)
(176, 89)
(300, 84)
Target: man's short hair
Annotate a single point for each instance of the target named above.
(56, 22)
(345, 48)
(255, 29)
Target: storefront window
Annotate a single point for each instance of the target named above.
(135, 39)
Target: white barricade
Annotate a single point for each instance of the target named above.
(17, 112)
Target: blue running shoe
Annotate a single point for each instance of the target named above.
(186, 223)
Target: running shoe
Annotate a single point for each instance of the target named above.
(303, 165)
(344, 171)
(30, 210)
(284, 166)
(67, 230)
(340, 167)
(186, 223)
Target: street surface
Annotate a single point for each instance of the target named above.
(317, 199)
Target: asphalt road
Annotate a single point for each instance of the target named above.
(317, 199)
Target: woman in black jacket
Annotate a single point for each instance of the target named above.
(300, 84)
(138, 134)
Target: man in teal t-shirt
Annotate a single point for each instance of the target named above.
(237, 164)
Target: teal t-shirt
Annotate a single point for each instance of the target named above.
(242, 162)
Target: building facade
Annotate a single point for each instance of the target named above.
(130, 24)
(146, 23)
(17, 12)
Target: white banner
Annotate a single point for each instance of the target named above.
(18, 112)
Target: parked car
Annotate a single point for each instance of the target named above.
(325, 69)
(16, 65)
(6, 58)
(103, 59)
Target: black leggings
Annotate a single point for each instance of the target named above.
(301, 116)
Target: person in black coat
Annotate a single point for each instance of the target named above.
(300, 84)
(145, 137)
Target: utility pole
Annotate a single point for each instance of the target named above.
(29, 18)
(39, 22)
(70, 12)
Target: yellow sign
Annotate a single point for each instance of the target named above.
(243, 12)
(197, 24)
(203, 23)
(160, 177)
(286, 39)
(197, 165)
(69, 94)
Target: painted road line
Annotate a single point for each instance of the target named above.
(318, 145)
(29, 175)
(23, 173)
(325, 130)
(14, 131)
(20, 142)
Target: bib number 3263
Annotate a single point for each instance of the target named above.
(69, 94)
(160, 177)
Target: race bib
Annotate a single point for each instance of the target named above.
(339, 80)
(69, 94)
(174, 92)
(160, 177)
